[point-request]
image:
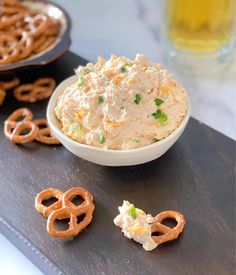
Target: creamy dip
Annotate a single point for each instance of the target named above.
(135, 224)
(121, 104)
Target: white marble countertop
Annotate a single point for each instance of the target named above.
(126, 28)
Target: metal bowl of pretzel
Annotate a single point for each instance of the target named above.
(32, 33)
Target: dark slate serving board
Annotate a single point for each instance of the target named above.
(196, 177)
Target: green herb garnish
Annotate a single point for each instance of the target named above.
(123, 69)
(81, 82)
(101, 139)
(86, 70)
(161, 116)
(100, 99)
(158, 101)
(163, 119)
(132, 212)
(74, 126)
(129, 64)
(135, 140)
(157, 114)
(137, 98)
(76, 129)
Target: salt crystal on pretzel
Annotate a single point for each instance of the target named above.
(37, 24)
(25, 45)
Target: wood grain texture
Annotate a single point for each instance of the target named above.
(196, 177)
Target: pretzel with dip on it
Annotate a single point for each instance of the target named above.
(138, 225)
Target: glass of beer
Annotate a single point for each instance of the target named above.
(199, 35)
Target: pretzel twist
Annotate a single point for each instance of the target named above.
(47, 194)
(11, 9)
(39, 90)
(12, 3)
(8, 48)
(21, 30)
(14, 129)
(25, 45)
(168, 233)
(14, 6)
(38, 42)
(64, 208)
(37, 24)
(45, 135)
(2, 94)
(8, 85)
(8, 21)
(47, 42)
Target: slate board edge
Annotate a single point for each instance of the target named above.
(28, 249)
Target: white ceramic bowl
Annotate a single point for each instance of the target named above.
(104, 156)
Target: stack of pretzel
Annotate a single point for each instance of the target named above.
(64, 208)
(24, 32)
(20, 127)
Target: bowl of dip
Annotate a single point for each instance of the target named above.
(119, 112)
